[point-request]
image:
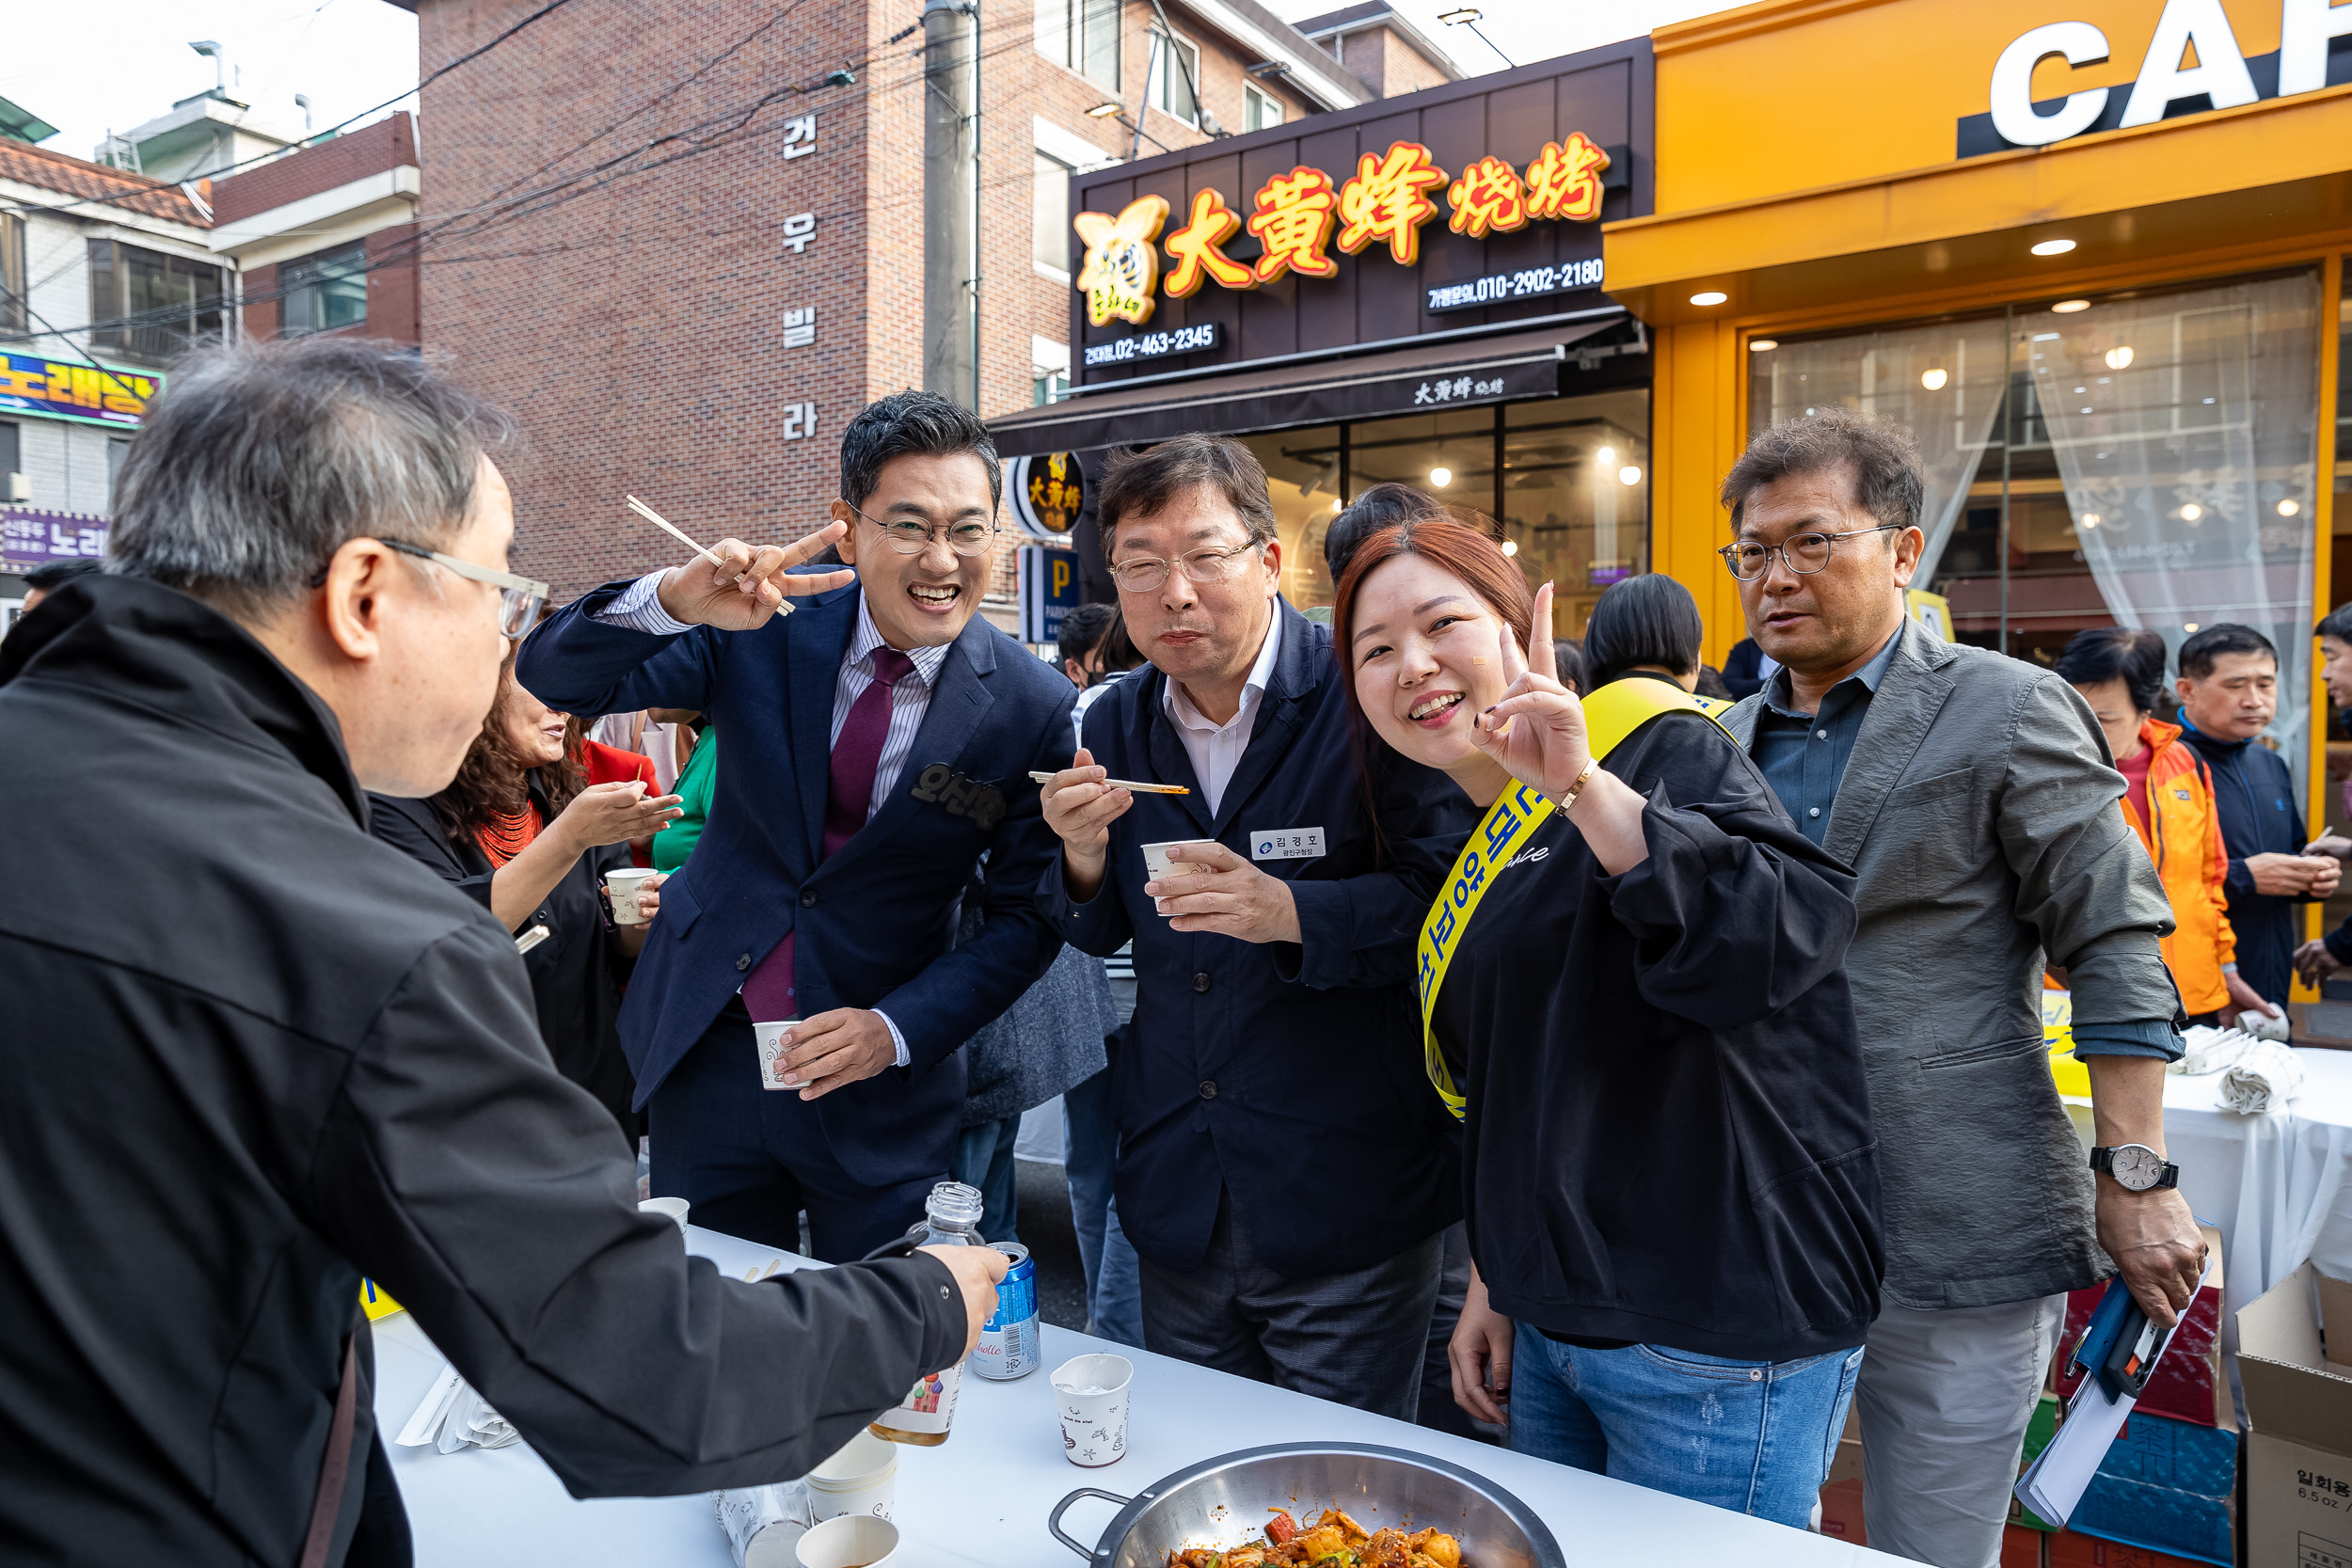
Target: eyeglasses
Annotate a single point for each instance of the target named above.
(1143, 574)
(907, 537)
(521, 599)
(1807, 553)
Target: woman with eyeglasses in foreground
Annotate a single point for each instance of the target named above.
(1639, 986)
(522, 829)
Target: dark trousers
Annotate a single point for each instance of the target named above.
(750, 1159)
(1356, 1339)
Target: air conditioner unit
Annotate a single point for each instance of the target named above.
(19, 487)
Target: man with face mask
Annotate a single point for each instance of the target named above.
(253, 1054)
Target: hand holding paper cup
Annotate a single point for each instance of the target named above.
(623, 886)
(1090, 1396)
(1156, 862)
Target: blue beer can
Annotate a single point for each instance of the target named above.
(1009, 1346)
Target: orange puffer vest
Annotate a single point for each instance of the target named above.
(2184, 841)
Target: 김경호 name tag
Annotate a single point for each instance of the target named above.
(1287, 844)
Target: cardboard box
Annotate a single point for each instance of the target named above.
(2190, 1384)
(2167, 1486)
(2299, 1404)
(1841, 1511)
(2073, 1550)
(2021, 1548)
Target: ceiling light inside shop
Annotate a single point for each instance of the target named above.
(1441, 477)
(2054, 248)
(2086, 410)
(1762, 345)
(2120, 358)
(2190, 512)
(1338, 505)
(1933, 380)
(1709, 296)
(2068, 307)
(1510, 547)
(1104, 110)
(2188, 625)
(1629, 475)
(2089, 519)
(2289, 507)
(1605, 456)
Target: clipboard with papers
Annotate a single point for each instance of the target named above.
(2118, 1352)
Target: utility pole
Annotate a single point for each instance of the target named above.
(950, 205)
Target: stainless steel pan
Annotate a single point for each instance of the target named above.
(1223, 1503)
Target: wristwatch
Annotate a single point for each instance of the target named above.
(2137, 1169)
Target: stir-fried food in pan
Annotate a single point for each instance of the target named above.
(1334, 1539)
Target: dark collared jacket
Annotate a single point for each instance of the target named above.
(1289, 1074)
(251, 1053)
(878, 919)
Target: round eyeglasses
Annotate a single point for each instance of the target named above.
(1144, 574)
(913, 536)
(1807, 553)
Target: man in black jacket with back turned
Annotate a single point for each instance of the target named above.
(251, 1053)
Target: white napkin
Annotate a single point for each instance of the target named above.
(2267, 1075)
(452, 1417)
(2211, 1049)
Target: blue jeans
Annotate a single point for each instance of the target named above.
(984, 1160)
(1090, 1156)
(1753, 1436)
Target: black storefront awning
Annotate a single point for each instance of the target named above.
(1423, 378)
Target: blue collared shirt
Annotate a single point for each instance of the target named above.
(1804, 756)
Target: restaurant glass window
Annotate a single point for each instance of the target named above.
(1574, 501)
(324, 290)
(1302, 468)
(2340, 555)
(2152, 463)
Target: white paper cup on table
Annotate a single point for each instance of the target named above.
(1156, 861)
(674, 1209)
(760, 1525)
(862, 1478)
(1090, 1396)
(851, 1540)
(623, 886)
(770, 1039)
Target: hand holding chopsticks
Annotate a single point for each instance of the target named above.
(740, 586)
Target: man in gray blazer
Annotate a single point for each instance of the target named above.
(1974, 798)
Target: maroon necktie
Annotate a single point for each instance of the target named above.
(848, 790)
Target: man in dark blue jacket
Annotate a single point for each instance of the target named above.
(2229, 690)
(1285, 1170)
(878, 743)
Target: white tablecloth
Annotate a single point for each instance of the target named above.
(982, 1496)
(2278, 1185)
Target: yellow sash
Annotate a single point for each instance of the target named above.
(1610, 714)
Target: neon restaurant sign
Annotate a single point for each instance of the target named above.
(1297, 218)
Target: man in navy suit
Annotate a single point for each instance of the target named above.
(879, 741)
(1285, 1171)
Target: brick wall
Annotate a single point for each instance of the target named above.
(1386, 63)
(388, 144)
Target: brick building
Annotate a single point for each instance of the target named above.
(326, 238)
(686, 253)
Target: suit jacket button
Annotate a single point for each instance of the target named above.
(742, 961)
(1200, 981)
(808, 897)
(1208, 1089)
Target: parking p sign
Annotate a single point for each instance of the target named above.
(1049, 591)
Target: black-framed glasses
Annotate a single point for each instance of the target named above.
(909, 536)
(1143, 574)
(521, 599)
(1807, 553)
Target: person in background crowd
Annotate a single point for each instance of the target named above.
(1710, 684)
(602, 764)
(1096, 650)
(2323, 956)
(2229, 691)
(1648, 626)
(253, 1055)
(1567, 665)
(1742, 674)
(1653, 1037)
(47, 578)
(2169, 799)
(1375, 508)
(879, 742)
(1283, 1174)
(695, 782)
(522, 832)
(1969, 794)
(664, 736)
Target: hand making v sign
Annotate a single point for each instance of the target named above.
(744, 589)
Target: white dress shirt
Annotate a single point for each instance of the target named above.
(639, 608)
(1216, 748)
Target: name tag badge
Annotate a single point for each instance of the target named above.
(1287, 844)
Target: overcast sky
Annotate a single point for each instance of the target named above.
(99, 64)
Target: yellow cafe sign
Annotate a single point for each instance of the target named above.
(1298, 217)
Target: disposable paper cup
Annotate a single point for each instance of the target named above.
(1093, 1424)
(673, 1209)
(770, 1039)
(1156, 861)
(624, 886)
(862, 1478)
(851, 1540)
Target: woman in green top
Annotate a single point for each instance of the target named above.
(673, 843)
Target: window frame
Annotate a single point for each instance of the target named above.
(1078, 30)
(310, 275)
(1056, 270)
(1255, 103)
(15, 312)
(1158, 82)
(159, 341)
